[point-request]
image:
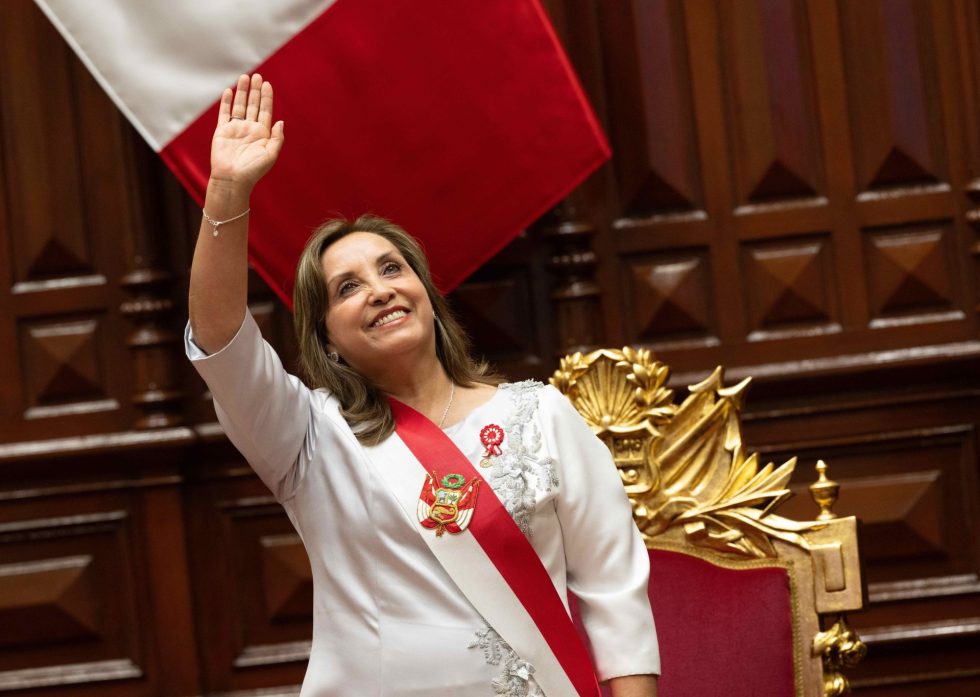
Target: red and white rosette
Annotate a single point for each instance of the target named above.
(491, 436)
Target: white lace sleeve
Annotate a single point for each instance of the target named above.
(608, 564)
(264, 410)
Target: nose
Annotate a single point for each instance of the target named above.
(381, 292)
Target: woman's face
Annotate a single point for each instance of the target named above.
(377, 307)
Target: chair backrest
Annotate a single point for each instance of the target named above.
(746, 602)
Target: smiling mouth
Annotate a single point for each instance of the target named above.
(390, 317)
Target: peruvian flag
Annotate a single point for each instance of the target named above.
(461, 120)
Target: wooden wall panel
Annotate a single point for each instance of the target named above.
(776, 92)
(63, 169)
(911, 273)
(892, 84)
(790, 286)
(64, 366)
(651, 109)
(43, 157)
(70, 585)
(255, 596)
(669, 296)
(505, 307)
(968, 15)
(94, 589)
(770, 98)
(907, 465)
(69, 605)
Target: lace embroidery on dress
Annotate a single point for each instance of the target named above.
(515, 679)
(522, 469)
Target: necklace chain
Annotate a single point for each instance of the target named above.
(452, 393)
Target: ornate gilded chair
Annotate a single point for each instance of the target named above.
(746, 602)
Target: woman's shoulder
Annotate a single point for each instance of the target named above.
(326, 404)
(544, 393)
(533, 398)
(522, 387)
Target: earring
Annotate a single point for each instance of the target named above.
(332, 355)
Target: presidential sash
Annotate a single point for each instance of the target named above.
(480, 546)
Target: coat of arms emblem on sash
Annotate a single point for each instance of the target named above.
(447, 505)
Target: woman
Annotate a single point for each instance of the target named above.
(411, 589)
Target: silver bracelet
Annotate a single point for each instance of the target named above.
(215, 223)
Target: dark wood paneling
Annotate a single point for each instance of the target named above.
(770, 99)
(894, 105)
(252, 585)
(903, 443)
(506, 310)
(669, 297)
(790, 285)
(650, 112)
(64, 171)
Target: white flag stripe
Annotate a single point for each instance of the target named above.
(164, 62)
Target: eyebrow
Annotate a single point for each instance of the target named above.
(347, 274)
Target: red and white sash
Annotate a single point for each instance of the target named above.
(491, 561)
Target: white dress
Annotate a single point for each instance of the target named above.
(387, 619)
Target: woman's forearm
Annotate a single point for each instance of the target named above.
(219, 272)
(634, 686)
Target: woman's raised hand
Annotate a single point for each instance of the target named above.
(245, 143)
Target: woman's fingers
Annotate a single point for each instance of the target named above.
(277, 138)
(251, 100)
(265, 105)
(241, 94)
(224, 109)
(254, 97)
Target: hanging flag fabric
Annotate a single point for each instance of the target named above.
(461, 121)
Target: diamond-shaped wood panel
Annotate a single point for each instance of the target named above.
(669, 296)
(62, 361)
(893, 93)
(68, 608)
(909, 271)
(771, 102)
(497, 313)
(42, 151)
(653, 127)
(906, 508)
(48, 600)
(788, 282)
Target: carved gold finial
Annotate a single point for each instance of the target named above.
(824, 492)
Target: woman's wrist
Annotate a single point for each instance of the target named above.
(226, 198)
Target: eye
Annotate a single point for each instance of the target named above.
(346, 287)
(391, 267)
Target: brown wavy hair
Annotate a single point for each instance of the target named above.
(362, 403)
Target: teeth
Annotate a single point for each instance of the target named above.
(390, 317)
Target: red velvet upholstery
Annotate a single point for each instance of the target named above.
(723, 632)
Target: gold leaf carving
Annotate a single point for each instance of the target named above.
(683, 466)
(839, 647)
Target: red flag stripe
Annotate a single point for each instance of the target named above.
(463, 122)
